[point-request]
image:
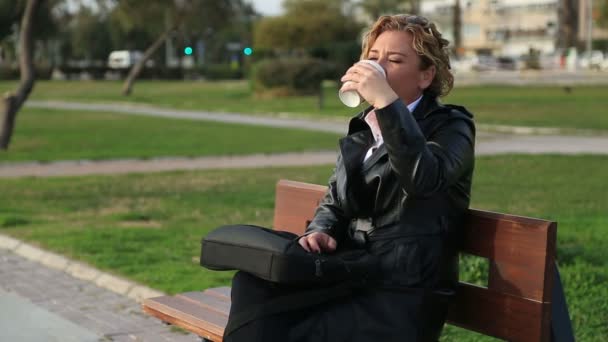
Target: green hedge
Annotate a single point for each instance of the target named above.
(221, 72)
(11, 72)
(290, 76)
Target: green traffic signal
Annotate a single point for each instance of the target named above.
(188, 50)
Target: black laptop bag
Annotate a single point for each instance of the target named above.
(277, 256)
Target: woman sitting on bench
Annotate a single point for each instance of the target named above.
(399, 190)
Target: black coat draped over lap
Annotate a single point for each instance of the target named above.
(410, 195)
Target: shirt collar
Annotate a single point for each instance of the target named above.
(412, 106)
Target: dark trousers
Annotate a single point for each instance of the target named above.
(371, 315)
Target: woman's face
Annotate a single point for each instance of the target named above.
(393, 50)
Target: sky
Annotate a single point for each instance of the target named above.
(268, 7)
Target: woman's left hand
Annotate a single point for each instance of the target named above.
(370, 84)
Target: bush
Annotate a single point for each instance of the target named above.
(342, 54)
(292, 76)
(532, 60)
(95, 72)
(11, 72)
(161, 72)
(221, 72)
(8, 72)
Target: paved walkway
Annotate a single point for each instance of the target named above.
(319, 125)
(40, 303)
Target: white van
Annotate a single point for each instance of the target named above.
(123, 59)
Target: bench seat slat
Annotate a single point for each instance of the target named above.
(188, 315)
(208, 300)
(223, 292)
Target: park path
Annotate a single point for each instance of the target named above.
(332, 126)
(487, 143)
(44, 299)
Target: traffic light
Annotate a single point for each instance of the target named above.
(188, 51)
(248, 51)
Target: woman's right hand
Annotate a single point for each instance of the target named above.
(318, 242)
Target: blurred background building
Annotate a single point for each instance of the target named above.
(513, 27)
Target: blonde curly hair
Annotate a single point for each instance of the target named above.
(427, 42)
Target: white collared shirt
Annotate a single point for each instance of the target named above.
(378, 138)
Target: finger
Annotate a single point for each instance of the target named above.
(350, 76)
(314, 244)
(328, 244)
(367, 67)
(348, 86)
(304, 243)
(353, 71)
(331, 244)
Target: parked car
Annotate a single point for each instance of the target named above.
(592, 60)
(462, 64)
(484, 63)
(506, 63)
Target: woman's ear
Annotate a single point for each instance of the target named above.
(427, 76)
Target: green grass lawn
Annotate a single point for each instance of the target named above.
(584, 107)
(148, 227)
(47, 135)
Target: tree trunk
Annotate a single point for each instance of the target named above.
(567, 24)
(138, 67)
(457, 29)
(321, 102)
(13, 102)
(415, 5)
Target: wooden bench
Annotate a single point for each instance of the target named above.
(515, 306)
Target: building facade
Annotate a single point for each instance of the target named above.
(499, 27)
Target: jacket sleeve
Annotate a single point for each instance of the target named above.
(425, 167)
(330, 217)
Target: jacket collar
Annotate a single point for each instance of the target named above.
(427, 105)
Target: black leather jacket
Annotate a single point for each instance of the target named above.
(409, 196)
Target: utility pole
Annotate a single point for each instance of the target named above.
(589, 27)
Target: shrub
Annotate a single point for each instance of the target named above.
(532, 60)
(221, 72)
(11, 72)
(292, 76)
(342, 54)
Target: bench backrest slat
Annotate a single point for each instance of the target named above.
(520, 250)
(295, 205)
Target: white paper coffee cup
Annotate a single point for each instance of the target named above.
(351, 98)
